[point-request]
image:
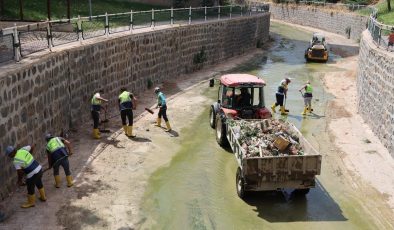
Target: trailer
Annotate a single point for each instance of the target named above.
(268, 173)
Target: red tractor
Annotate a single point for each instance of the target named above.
(240, 96)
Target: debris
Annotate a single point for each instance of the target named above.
(268, 137)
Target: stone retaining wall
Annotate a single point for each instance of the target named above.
(53, 92)
(375, 88)
(332, 20)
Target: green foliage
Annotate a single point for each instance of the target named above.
(200, 57)
(37, 10)
(149, 83)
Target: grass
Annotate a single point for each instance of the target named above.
(37, 10)
(383, 15)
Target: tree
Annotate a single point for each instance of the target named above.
(389, 5)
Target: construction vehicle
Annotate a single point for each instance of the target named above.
(259, 173)
(318, 49)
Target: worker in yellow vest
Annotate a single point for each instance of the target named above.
(26, 165)
(95, 111)
(127, 102)
(58, 156)
(307, 97)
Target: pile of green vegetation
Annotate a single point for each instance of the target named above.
(37, 10)
(385, 16)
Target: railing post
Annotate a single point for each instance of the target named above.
(205, 13)
(190, 15)
(79, 25)
(106, 24)
(17, 45)
(49, 35)
(131, 21)
(379, 36)
(231, 10)
(152, 25)
(241, 11)
(250, 11)
(172, 16)
(219, 12)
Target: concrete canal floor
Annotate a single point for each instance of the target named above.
(184, 180)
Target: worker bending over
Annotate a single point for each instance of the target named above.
(281, 94)
(161, 103)
(307, 97)
(127, 102)
(95, 110)
(25, 164)
(58, 156)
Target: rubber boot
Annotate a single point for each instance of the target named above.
(130, 131)
(31, 201)
(125, 129)
(42, 194)
(283, 111)
(310, 109)
(70, 182)
(305, 110)
(57, 181)
(96, 134)
(158, 122)
(273, 107)
(168, 126)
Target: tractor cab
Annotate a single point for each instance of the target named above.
(240, 96)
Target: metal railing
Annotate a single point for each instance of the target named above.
(380, 32)
(19, 41)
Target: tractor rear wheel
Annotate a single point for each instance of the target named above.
(221, 132)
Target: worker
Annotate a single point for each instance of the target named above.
(244, 98)
(281, 95)
(127, 102)
(58, 156)
(391, 39)
(162, 104)
(26, 165)
(307, 97)
(95, 110)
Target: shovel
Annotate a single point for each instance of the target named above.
(286, 110)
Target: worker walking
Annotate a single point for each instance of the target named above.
(58, 156)
(307, 97)
(281, 95)
(25, 164)
(162, 104)
(95, 110)
(127, 102)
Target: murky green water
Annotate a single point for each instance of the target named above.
(197, 189)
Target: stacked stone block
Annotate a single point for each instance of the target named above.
(52, 94)
(375, 87)
(331, 20)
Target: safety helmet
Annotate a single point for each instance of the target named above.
(157, 89)
(10, 149)
(48, 136)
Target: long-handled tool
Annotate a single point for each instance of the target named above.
(104, 130)
(286, 110)
(149, 110)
